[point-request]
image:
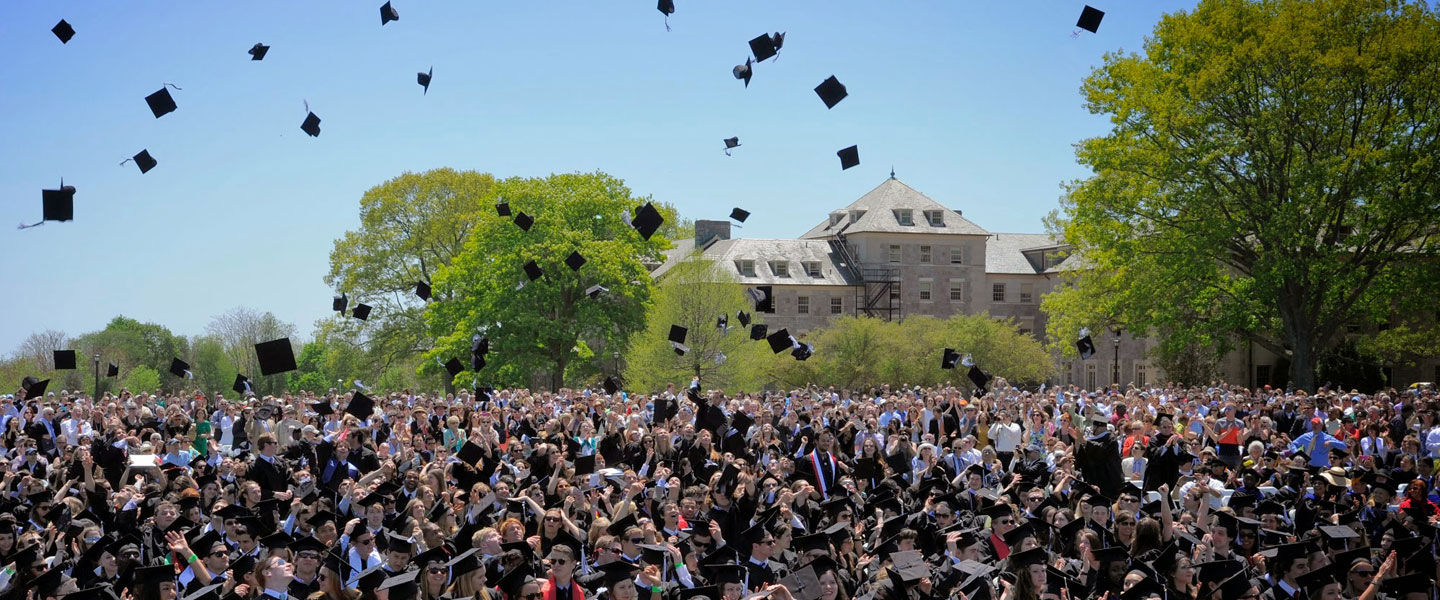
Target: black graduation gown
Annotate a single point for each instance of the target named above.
(1099, 461)
(300, 589)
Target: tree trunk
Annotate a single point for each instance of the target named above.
(1301, 337)
(557, 378)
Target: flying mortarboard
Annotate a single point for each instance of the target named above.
(422, 289)
(524, 221)
(978, 377)
(388, 14)
(533, 271)
(763, 47)
(361, 311)
(949, 359)
(610, 385)
(731, 143)
(1086, 347)
(33, 387)
(454, 367)
(361, 406)
(64, 31)
(64, 360)
(424, 79)
(647, 220)
(339, 303)
(849, 157)
(311, 125)
(1090, 18)
(242, 384)
(744, 72)
(831, 91)
(179, 368)
(758, 331)
(575, 261)
(594, 291)
(779, 341)
(276, 356)
(502, 208)
(112, 370)
(161, 103)
(56, 205)
(257, 52)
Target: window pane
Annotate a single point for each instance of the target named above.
(837, 305)
(804, 305)
(925, 255)
(997, 293)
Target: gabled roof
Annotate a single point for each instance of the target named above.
(879, 206)
(794, 253)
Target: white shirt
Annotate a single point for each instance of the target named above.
(1005, 437)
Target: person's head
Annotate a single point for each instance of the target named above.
(763, 545)
(267, 445)
(624, 589)
(1183, 572)
(274, 573)
(1317, 425)
(1329, 591)
(307, 561)
(165, 515)
(1359, 575)
(830, 588)
(245, 539)
(397, 556)
(529, 591)
(216, 557)
(512, 530)
(562, 563)
(1289, 567)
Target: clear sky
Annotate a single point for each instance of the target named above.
(974, 103)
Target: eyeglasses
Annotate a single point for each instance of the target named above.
(436, 570)
(1034, 499)
(552, 519)
(558, 562)
(615, 550)
(366, 541)
(221, 553)
(1006, 521)
(530, 596)
(943, 515)
(309, 555)
(1125, 523)
(637, 540)
(1364, 573)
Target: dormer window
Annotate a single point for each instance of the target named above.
(905, 216)
(855, 215)
(745, 267)
(936, 218)
(780, 268)
(836, 218)
(812, 268)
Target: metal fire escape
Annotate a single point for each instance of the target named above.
(877, 289)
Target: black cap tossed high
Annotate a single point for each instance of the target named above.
(533, 270)
(454, 367)
(831, 91)
(744, 72)
(388, 14)
(311, 125)
(161, 103)
(647, 220)
(56, 205)
(763, 47)
(1090, 18)
(575, 261)
(179, 368)
(422, 290)
(64, 31)
(112, 370)
(242, 384)
(143, 160)
(257, 52)
(524, 221)
(849, 157)
(362, 311)
(739, 214)
(339, 303)
(64, 360)
(276, 356)
(424, 79)
(731, 143)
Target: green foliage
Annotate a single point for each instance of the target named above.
(211, 366)
(535, 329)
(1268, 177)
(694, 294)
(130, 344)
(863, 352)
(141, 379)
(309, 374)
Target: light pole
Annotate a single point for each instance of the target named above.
(1115, 375)
(616, 355)
(96, 397)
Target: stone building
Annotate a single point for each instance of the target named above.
(895, 253)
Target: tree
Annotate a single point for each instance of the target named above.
(142, 379)
(39, 348)
(213, 369)
(238, 331)
(694, 294)
(1270, 176)
(538, 327)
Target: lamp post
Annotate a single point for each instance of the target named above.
(1115, 374)
(96, 397)
(616, 355)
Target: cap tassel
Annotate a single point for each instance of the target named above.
(168, 84)
(361, 385)
(24, 226)
(667, 22)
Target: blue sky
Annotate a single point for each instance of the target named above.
(975, 104)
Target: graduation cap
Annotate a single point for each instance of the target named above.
(532, 270)
(611, 385)
(142, 160)
(667, 8)
(454, 367)
(744, 72)
(388, 14)
(276, 356)
(524, 221)
(763, 47)
(1086, 347)
(647, 220)
(1033, 556)
(64, 360)
(849, 157)
(764, 297)
(1398, 587)
(1090, 19)
(339, 303)
(64, 31)
(617, 528)
(154, 575)
(978, 377)
(161, 103)
(1338, 532)
(1016, 535)
(422, 290)
(575, 261)
(949, 359)
(677, 334)
(33, 387)
(732, 143)
(257, 52)
(1112, 554)
(112, 370)
(502, 208)
(779, 341)
(739, 214)
(361, 311)
(57, 205)
(594, 291)
(242, 384)
(1143, 589)
(758, 331)
(424, 79)
(361, 406)
(311, 125)
(831, 91)
(279, 539)
(1316, 580)
(179, 368)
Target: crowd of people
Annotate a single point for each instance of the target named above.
(1208, 493)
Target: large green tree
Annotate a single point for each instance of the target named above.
(1271, 175)
(548, 323)
(694, 294)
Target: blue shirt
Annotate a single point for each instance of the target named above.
(1318, 448)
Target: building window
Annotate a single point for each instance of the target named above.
(803, 306)
(780, 268)
(1027, 292)
(997, 293)
(837, 305)
(905, 216)
(1070, 374)
(894, 253)
(745, 267)
(936, 218)
(812, 268)
(925, 290)
(924, 255)
(1090, 382)
(957, 255)
(1140, 375)
(959, 290)
(855, 215)
(894, 293)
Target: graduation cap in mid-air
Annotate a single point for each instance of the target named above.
(339, 303)
(575, 261)
(831, 91)
(242, 384)
(311, 125)
(112, 370)
(1090, 18)
(388, 14)
(533, 270)
(610, 385)
(780, 341)
(949, 359)
(64, 31)
(64, 360)
(647, 220)
(180, 368)
(739, 214)
(276, 356)
(161, 102)
(764, 297)
(454, 367)
(424, 79)
(56, 205)
(766, 46)
(362, 311)
(731, 143)
(142, 160)
(422, 290)
(667, 8)
(1085, 345)
(978, 377)
(502, 208)
(33, 387)
(744, 72)
(849, 157)
(524, 221)
(257, 52)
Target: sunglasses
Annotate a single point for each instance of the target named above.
(310, 555)
(220, 553)
(365, 541)
(530, 596)
(552, 519)
(943, 515)
(615, 550)
(636, 540)
(436, 570)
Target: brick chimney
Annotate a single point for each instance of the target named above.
(708, 231)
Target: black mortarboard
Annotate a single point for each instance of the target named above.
(361, 406)
(779, 341)
(763, 47)
(323, 516)
(585, 465)
(1285, 552)
(949, 359)
(311, 125)
(47, 582)
(849, 157)
(594, 291)
(276, 356)
(279, 539)
(470, 453)
(647, 220)
(437, 554)
(454, 367)
(1315, 580)
(388, 14)
(1338, 532)
(524, 221)
(575, 261)
(113, 370)
(257, 52)
(1033, 556)
(742, 316)
(610, 385)
(1090, 19)
(616, 571)
(155, 574)
(1112, 554)
(64, 360)
(739, 214)
(161, 103)
(523, 547)
(305, 543)
(33, 387)
(502, 208)
(978, 377)
(618, 528)
(764, 298)
(758, 331)
(533, 271)
(677, 334)
(744, 72)
(1398, 587)
(179, 367)
(422, 289)
(64, 31)
(144, 161)
(395, 543)
(831, 91)
(241, 382)
(58, 205)
(339, 303)
(1406, 545)
(424, 79)
(1016, 535)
